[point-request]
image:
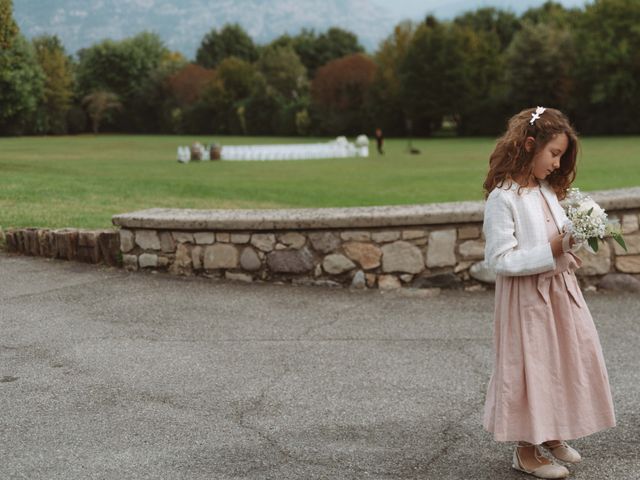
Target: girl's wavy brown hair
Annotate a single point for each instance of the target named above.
(510, 159)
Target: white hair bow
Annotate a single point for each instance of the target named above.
(536, 115)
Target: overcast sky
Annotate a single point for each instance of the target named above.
(418, 9)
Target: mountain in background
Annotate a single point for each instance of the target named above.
(182, 25)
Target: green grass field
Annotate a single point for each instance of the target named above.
(82, 181)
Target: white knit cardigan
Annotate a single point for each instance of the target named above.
(515, 229)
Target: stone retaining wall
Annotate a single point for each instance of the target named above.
(438, 245)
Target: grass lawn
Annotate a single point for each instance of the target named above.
(82, 181)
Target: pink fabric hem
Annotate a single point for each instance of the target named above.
(560, 433)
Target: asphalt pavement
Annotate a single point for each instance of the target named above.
(107, 374)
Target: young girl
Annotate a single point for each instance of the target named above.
(549, 382)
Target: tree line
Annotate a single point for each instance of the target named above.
(465, 76)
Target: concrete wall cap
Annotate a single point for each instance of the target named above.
(326, 218)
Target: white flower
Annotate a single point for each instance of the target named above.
(597, 211)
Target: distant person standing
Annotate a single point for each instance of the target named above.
(380, 141)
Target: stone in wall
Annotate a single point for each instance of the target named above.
(472, 250)
(147, 239)
(468, 233)
(413, 234)
(359, 280)
(148, 260)
(240, 238)
(182, 263)
(223, 237)
(290, 261)
(324, 242)
(628, 264)
(388, 282)
(355, 236)
(371, 279)
(127, 242)
(204, 238)
(167, 243)
(441, 250)
(293, 240)
(597, 264)
(182, 237)
(220, 255)
(197, 254)
(130, 262)
(366, 255)
(249, 260)
(385, 236)
(336, 264)
(402, 257)
(629, 223)
(263, 241)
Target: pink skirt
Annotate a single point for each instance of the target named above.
(549, 379)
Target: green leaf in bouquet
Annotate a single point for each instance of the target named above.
(589, 212)
(593, 243)
(618, 238)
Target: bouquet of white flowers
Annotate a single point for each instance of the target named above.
(588, 221)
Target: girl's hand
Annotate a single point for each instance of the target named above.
(556, 244)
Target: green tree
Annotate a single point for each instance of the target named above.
(480, 104)
(58, 84)
(8, 28)
(280, 94)
(124, 68)
(157, 99)
(385, 98)
(504, 25)
(554, 14)
(539, 66)
(317, 50)
(231, 41)
(226, 103)
(99, 104)
(607, 99)
(284, 71)
(21, 87)
(432, 84)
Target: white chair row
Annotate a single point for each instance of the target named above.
(338, 148)
(292, 152)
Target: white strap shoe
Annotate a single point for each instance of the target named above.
(562, 451)
(551, 470)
